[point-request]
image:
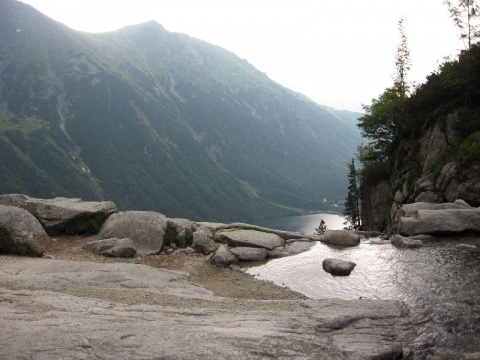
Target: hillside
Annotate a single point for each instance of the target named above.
(435, 157)
(159, 121)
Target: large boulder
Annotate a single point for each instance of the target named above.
(123, 248)
(250, 238)
(64, 215)
(21, 233)
(424, 218)
(340, 238)
(223, 257)
(145, 228)
(338, 267)
(203, 240)
(249, 253)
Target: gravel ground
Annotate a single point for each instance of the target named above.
(227, 283)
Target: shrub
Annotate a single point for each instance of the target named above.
(9, 246)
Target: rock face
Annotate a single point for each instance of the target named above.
(425, 218)
(250, 238)
(113, 247)
(60, 309)
(427, 169)
(26, 232)
(341, 238)
(145, 228)
(376, 207)
(64, 215)
(338, 267)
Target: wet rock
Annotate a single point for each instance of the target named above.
(223, 257)
(123, 248)
(341, 238)
(338, 267)
(203, 240)
(249, 254)
(291, 249)
(145, 228)
(250, 238)
(21, 233)
(405, 242)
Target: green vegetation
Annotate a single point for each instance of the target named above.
(9, 246)
(469, 150)
(82, 225)
(399, 117)
(321, 228)
(198, 134)
(352, 202)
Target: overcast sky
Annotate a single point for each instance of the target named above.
(338, 53)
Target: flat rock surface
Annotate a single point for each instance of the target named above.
(251, 238)
(83, 306)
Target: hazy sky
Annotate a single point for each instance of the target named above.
(338, 53)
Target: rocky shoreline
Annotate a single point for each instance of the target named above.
(164, 298)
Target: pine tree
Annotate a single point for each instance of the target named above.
(321, 229)
(352, 201)
(464, 14)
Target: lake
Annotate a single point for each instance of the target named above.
(303, 223)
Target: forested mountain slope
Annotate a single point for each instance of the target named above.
(154, 120)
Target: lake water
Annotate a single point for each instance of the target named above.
(303, 223)
(440, 282)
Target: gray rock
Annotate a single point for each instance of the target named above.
(338, 267)
(249, 254)
(341, 238)
(184, 230)
(443, 218)
(467, 247)
(57, 310)
(69, 216)
(223, 257)
(13, 199)
(28, 235)
(145, 228)
(203, 240)
(113, 247)
(405, 242)
(462, 203)
(302, 239)
(291, 249)
(250, 238)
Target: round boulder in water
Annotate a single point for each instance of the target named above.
(338, 267)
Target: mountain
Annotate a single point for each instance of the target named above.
(159, 121)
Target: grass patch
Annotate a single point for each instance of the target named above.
(80, 225)
(9, 246)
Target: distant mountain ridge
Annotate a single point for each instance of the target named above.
(159, 121)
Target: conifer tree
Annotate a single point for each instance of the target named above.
(352, 201)
(464, 14)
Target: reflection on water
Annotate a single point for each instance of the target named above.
(303, 223)
(439, 282)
